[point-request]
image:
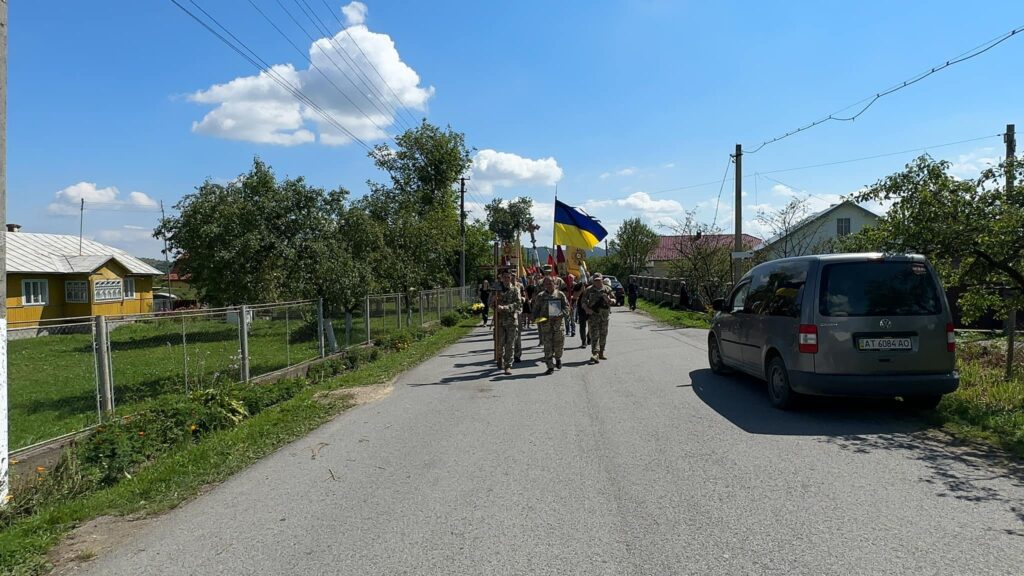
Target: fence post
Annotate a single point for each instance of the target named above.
(106, 387)
(420, 296)
(398, 309)
(348, 328)
(243, 341)
(366, 319)
(320, 326)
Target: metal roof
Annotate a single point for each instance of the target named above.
(59, 254)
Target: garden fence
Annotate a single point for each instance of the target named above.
(67, 375)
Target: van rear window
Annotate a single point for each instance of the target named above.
(878, 288)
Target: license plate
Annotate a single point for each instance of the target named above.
(884, 344)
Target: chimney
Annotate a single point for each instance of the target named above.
(13, 227)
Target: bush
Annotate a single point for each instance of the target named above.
(451, 319)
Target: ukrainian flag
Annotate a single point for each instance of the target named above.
(574, 227)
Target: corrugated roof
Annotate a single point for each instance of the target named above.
(58, 254)
(672, 247)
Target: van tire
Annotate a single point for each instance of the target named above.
(715, 357)
(779, 392)
(922, 403)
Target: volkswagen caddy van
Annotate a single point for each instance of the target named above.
(873, 325)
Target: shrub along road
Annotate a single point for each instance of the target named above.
(644, 464)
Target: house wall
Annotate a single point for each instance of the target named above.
(824, 229)
(20, 315)
(18, 312)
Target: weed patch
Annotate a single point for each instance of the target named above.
(674, 317)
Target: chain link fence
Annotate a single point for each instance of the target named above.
(64, 374)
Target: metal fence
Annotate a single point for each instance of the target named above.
(66, 374)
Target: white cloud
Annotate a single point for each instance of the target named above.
(355, 13)
(624, 172)
(669, 165)
(642, 202)
(68, 201)
(257, 109)
(970, 165)
(125, 234)
(503, 169)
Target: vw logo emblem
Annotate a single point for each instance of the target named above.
(885, 323)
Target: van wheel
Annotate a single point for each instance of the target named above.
(922, 403)
(715, 357)
(779, 392)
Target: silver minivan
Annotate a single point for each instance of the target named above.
(839, 325)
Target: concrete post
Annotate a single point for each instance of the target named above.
(320, 326)
(366, 319)
(106, 386)
(398, 310)
(243, 340)
(420, 296)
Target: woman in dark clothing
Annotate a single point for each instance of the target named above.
(631, 293)
(485, 298)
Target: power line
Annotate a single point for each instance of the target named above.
(372, 65)
(870, 100)
(262, 66)
(720, 188)
(375, 92)
(314, 66)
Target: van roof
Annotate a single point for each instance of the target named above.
(855, 257)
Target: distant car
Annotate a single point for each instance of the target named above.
(163, 301)
(620, 292)
(839, 325)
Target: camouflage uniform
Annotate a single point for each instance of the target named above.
(552, 332)
(511, 304)
(519, 331)
(598, 320)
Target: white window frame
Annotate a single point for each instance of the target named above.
(108, 290)
(129, 289)
(82, 286)
(840, 228)
(26, 294)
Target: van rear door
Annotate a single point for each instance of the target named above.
(882, 316)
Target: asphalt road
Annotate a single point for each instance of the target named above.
(644, 464)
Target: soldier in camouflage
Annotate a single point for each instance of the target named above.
(508, 306)
(597, 304)
(518, 354)
(553, 307)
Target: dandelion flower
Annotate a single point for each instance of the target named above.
(192, 428)
(40, 469)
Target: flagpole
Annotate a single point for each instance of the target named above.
(553, 218)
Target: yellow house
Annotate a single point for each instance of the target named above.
(59, 276)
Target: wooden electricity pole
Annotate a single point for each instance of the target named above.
(1011, 317)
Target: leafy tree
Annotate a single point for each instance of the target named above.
(479, 252)
(634, 241)
(251, 240)
(416, 242)
(702, 259)
(507, 220)
(972, 230)
(789, 231)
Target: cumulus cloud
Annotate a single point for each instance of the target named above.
(342, 82)
(68, 201)
(503, 169)
(624, 172)
(970, 165)
(642, 202)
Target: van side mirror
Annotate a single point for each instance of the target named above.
(718, 304)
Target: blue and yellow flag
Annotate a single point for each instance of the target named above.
(574, 227)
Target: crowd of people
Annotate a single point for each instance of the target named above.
(559, 307)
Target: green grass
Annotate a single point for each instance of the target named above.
(679, 318)
(181, 473)
(986, 407)
(52, 389)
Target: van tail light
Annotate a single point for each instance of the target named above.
(808, 339)
(950, 338)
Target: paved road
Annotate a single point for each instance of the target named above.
(644, 464)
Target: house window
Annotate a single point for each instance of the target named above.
(842, 226)
(129, 288)
(107, 290)
(35, 292)
(76, 292)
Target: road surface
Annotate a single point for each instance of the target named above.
(644, 464)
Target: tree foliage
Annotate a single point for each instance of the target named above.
(633, 244)
(702, 259)
(507, 220)
(972, 230)
(789, 231)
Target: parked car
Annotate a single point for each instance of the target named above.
(839, 325)
(620, 292)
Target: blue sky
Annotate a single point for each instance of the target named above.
(615, 101)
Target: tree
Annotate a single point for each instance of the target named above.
(479, 252)
(703, 260)
(971, 230)
(633, 244)
(253, 239)
(416, 241)
(507, 220)
(790, 234)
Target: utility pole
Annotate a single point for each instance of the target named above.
(462, 225)
(4, 454)
(167, 258)
(1011, 318)
(738, 242)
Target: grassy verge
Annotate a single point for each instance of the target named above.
(166, 480)
(679, 318)
(986, 407)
